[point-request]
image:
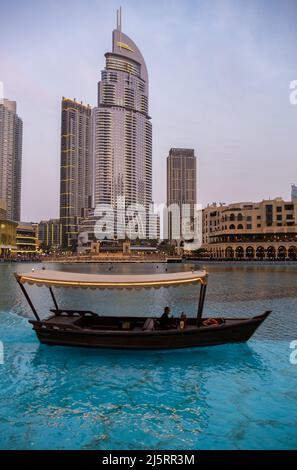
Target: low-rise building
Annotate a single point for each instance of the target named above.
(7, 233)
(26, 241)
(251, 230)
(2, 209)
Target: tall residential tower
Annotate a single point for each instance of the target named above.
(122, 128)
(76, 182)
(181, 191)
(11, 133)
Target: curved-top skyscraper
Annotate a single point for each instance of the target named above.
(122, 127)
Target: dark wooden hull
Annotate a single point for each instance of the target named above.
(66, 334)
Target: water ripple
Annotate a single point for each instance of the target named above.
(235, 396)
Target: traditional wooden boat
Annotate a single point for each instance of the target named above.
(85, 328)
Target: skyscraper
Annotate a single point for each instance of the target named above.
(76, 183)
(293, 191)
(181, 191)
(122, 129)
(49, 233)
(11, 133)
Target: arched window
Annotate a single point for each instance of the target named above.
(250, 252)
(239, 217)
(229, 253)
(240, 227)
(232, 227)
(270, 252)
(260, 252)
(232, 217)
(282, 252)
(239, 252)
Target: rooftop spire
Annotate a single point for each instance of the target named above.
(119, 19)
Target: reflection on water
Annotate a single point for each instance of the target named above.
(234, 396)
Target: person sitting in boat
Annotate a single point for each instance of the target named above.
(165, 322)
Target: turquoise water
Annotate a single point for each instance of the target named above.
(241, 396)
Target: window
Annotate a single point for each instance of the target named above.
(249, 218)
(289, 216)
(240, 227)
(289, 207)
(258, 225)
(258, 217)
(232, 227)
(279, 217)
(269, 214)
(279, 209)
(249, 226)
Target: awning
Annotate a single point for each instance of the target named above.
(51, 278)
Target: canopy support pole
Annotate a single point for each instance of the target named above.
(201, 302)
(54, 298)
(29, 301)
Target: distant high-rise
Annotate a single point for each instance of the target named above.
(76, 183)
(122, 127)
(49, 233)
(11, 132)
(181, 191)
(294, 191)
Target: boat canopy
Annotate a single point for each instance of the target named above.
(51, 278)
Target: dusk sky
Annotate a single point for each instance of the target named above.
(219, 75)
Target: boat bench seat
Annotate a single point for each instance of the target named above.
(95, 324)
